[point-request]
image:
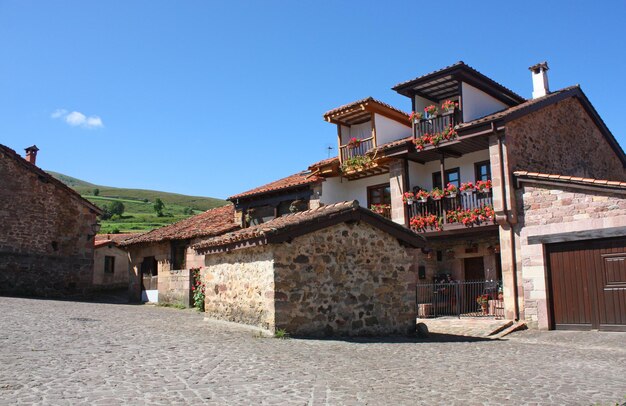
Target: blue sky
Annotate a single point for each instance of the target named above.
(213, 98)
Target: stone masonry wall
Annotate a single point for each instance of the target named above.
(175, 287)
(120, 276)
(239, 286)
(561, 139)
(348, 279)
(545, 210)
(46, 241)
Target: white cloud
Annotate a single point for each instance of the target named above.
(78, 119)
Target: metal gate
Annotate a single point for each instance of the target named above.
(460, 299)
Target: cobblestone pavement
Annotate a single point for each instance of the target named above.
(55, 352)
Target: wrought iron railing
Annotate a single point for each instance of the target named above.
(436, 124)
(348, 151)
(462, 201)
(460, 299)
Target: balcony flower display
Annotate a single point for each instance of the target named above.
(449, 106)
(354, 143)
(356, 163)
(451, 190)
(471, 217)
(381, 209)
(467, 188)
(483, 186)
(415, 117)
(431, 110)
(408, 197)
(422, 196)
(422, 223)
(435, 139)
(436, 194)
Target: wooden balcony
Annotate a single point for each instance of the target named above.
(440, 208)
(436, 124)
(347, 151)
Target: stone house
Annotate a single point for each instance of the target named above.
(46, 231)
(469, 132)
(161, 259)
(339, 269)
(111, 263)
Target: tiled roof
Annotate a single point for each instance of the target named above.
(324, 162)
(106, 239)
(309, 221)
(49, 178)
(363, 101)
(295, 180)
(570, 179)
(210, 223)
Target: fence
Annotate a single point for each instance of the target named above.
(460, 299)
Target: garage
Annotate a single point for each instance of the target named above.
(587, 284)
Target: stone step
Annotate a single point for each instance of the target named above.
(468, 327)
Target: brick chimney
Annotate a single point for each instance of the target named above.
(31, 154)
(540, 79)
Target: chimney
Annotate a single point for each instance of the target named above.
(540, 79)
(31, 154)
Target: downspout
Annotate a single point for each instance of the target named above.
(503, 195)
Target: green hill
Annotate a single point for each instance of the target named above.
(139, 214)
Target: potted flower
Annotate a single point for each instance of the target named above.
(451, 190)
(415, 117)
(436, 194)
(422, 196)
(448, 106)
(483, 300)
(354, 143)
(380, 208)
(408, 197)
(431, 110)
(467, 188)
(483, 186)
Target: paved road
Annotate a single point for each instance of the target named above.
(54, 352)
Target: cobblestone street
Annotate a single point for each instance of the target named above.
(55, 352)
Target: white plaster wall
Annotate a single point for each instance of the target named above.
(388, 130)
(421, 103)
(340, 189)
(357, 131)
(422, 175)
(477, 103)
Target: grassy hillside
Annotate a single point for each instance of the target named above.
(139, 214)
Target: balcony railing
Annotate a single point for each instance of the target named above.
(460, 299)
(436, 124)
(348, 151)
(462, 201)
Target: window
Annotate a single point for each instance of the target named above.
(452, 176)
(379, 194)
(482, 170)
(178, 255)
(109, 264)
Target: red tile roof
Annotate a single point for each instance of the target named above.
(364, 101)
(308, 221)
(48, 178)
(571, 179)
(210, 223)
(295, 180)
(106, 239)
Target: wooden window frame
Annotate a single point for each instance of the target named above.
(437, 175)
(477, 165)
(109, 264)
(379, 186)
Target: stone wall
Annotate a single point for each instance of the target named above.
(239, 286)
(175, 287)
(548, 210)
(120, 276)
(46, 241)
(348, 279)
(561, 139)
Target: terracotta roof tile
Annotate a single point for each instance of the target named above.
(210, 223)
(106, 239)
(363, 101)
(570, 179)
(323, 162)
(295, 180)
(301, 221)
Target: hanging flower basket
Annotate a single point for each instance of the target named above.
(408, 198)
(451, 191)
(436, 194)
(422, 196)
(354, 143)
(415, 117)
(448, 106)
(483, 186)
(467, 188)
(431, 110)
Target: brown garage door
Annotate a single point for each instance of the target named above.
(587, 281)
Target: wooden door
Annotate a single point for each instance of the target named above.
(149, 274)
(474, 269)
(587, 282)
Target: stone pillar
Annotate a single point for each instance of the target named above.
(398, 178)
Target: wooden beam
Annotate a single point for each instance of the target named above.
(373, 116)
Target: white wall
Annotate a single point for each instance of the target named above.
(340, 189)
(422, 175)
(421, 103)
(361, 131)
(477, 103)
(388, 130)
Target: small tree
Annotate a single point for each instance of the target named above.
(158, 207)
(116, 208)
(96, 192)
